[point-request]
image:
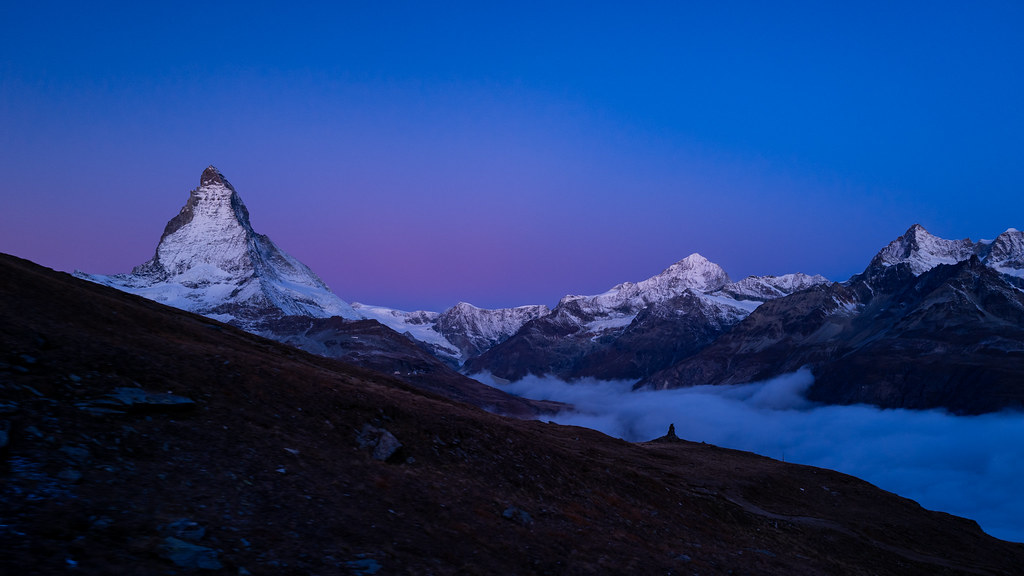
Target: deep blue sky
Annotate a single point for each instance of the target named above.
(415, 155)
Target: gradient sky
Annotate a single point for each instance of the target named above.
(416, 155)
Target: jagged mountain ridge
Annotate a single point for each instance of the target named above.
(635, 329)
(476, 330)
(460, 332)
(930, 323)
(922, 251)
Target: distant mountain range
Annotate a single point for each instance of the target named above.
(930, 322)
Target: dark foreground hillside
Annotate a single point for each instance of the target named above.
(144, 440)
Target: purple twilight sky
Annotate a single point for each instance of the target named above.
(415, 155)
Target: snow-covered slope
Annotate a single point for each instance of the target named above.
(635, 328)
(461, 332)
(211, 261)
(419, 324)
(764, 288)
(474, 330)
(616, 308)
(1006, 253)
(694, 272)
(923, 251)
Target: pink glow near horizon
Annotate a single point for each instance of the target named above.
(420, 158)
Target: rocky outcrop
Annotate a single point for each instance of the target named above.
(475, 330)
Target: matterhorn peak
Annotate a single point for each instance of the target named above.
(213, 177)
(210, 260)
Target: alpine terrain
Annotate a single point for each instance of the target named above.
(140, 439)
(930, 323)
(210, 261)
(636, 329)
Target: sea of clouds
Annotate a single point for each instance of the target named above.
(970, 466)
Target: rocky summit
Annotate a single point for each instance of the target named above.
(141, 439)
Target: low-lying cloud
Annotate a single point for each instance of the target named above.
(970, 466)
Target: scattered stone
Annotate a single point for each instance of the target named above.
(382, 444)
(69, 475)
(363, 566)
(97, 411)
(186, 555)
(28, 359)
(74, 378)
(184, 529)
(8, 407)
(101, 522)
(138, 400)
(516, 515)
(76, 453)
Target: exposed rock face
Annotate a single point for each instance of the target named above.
(1006, 254)
(635, 329)
(923, 251)
(766, 288)
(952, 339)
(210, 260)
(908, 332)
(475, 330)
(461, 332)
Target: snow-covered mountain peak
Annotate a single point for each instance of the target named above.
(923, 251)
(695, 272)
(209, 260)
(1006, 253)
